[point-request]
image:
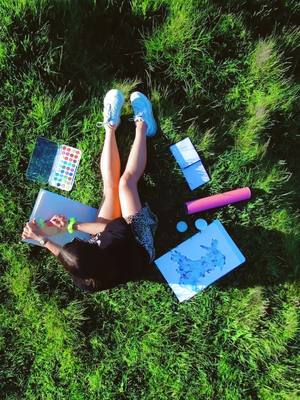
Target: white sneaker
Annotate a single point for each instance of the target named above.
(142, 108)
(113, 102)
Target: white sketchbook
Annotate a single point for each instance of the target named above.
(48, 204)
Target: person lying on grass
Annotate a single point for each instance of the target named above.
(122, 240)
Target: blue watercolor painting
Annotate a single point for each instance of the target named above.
(191, 271)
(199, 261)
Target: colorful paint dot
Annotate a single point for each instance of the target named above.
(181, 226)
(200, 224)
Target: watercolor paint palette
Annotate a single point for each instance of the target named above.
(64, 167)
(53, 164)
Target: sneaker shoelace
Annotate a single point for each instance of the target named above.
(107, 113)
(101, 124)
(137, 117)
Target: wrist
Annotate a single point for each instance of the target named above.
(42, 240)
(40, 237)
(71, 223)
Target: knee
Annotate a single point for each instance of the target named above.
(127, 180)
(109, 187)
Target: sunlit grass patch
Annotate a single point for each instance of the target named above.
(260, 92)
(192, 46)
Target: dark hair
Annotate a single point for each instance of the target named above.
(82, 258)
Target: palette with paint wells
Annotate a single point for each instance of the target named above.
(54, 164)
(64, 167)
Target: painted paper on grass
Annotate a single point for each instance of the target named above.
(199, 261)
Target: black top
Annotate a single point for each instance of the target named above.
(122, 258)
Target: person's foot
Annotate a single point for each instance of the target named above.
(113, 102)
(142, 108)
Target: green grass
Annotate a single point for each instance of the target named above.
(224, 73)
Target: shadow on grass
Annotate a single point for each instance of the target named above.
(267, 264)
(86, 44)
(272, 258)
(263, 267)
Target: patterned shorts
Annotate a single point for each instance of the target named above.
(144, 225)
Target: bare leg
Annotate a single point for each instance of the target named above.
(110, 170)
(129, 196)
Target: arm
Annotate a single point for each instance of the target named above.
(53, 247)
(91, 227)
(33, 231)
(61, 222)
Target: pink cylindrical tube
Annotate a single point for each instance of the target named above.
(218, 200)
